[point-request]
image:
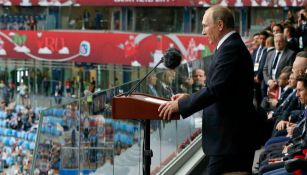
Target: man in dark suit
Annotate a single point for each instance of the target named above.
(227, 99)
(292, 42)
(302, 29)
(299, 68)
(150, 87)
(259, 56)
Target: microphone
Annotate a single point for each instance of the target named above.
(171, 60)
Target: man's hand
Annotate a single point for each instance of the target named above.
(166, 109)
(272, 84)
(273, 102)
(179, 96)
(286, 148)
(256, 79)
(281, 125)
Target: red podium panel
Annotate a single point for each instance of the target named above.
(138, 106)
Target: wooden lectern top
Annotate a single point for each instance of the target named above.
(138, 106)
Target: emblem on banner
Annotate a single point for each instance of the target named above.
(85, 48)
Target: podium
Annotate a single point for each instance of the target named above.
(138, 106)
(141, 107)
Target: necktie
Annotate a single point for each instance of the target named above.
(275, 60)
(258, 54)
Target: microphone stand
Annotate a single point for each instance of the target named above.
(147, 152)
(140, 81)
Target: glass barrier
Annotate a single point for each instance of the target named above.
(80, 137)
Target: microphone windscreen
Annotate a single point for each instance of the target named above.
(172, 58)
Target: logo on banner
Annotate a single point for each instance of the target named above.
(85, 48)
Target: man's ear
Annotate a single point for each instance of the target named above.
(301, 72)
(220, 25)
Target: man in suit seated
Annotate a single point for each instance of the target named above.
(281, 91)
(283, 112)
(299, 68)
(285, 100)
(296, 133)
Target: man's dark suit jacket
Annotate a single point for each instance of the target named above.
(293, 45)
(291, 105)
(149, 89)
(261, 62)
(226, 101)
(302, 31)
(284, 96)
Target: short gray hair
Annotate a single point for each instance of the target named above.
(224, 14)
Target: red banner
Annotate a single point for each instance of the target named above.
(206, 3)
(99, 47)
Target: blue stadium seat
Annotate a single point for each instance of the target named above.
(14, 133)
(12, 141)
(8, 132)
(117, 137)
(31, 136)
(26, 145)
(129, 140)
(20, 134)
(10, 161)
(8, 150)
(2, 114)
(108, 121)
(123, 126)
(32, 146)
(20, 142)
(60, 112)
(6, 141)
(25, 135)
(4, 123)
